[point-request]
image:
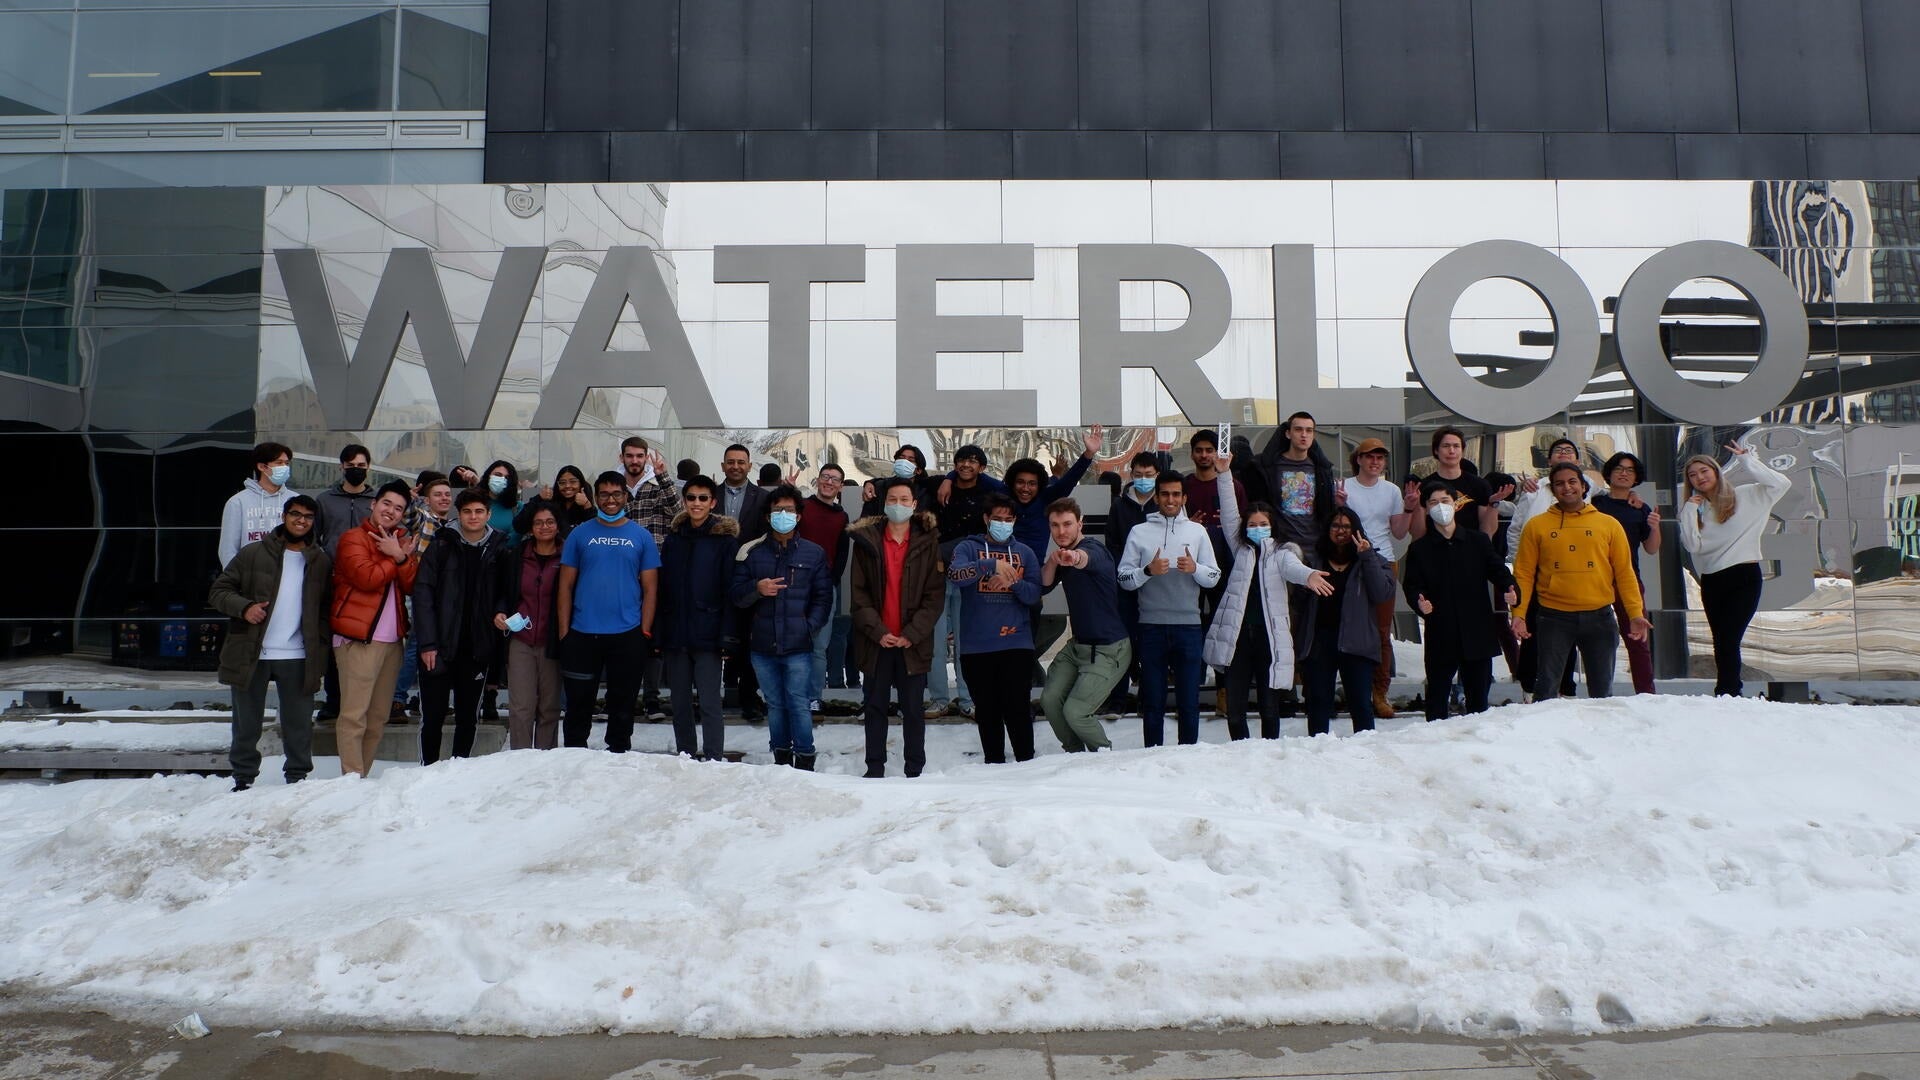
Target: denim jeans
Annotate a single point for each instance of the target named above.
(937, 678)
(1161, 646)
(409, 670)
(1594, 633)
(783, 682)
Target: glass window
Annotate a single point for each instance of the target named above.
(33, 62)
(443, 59)
(307, 59)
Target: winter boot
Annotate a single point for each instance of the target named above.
(803, 762)
(783, 757)
(1382, 708)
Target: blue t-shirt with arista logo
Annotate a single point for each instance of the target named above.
(606, 598)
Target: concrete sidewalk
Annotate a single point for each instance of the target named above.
(85, 1046)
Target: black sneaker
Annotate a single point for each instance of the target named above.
(241, 785)
(783, 757)
(329, 711)
(876, 772)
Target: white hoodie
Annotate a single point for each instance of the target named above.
(1172, 598)
(250, 514)
(1717, 545)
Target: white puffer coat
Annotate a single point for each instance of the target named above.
(1278, 565)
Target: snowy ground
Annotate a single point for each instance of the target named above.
(1564, 867)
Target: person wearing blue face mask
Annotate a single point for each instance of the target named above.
(609, 586)
(256, 509)
(1251, 635)
(997, 581)
(784, 583)
(1130, 508)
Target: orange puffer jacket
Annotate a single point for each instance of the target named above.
(361, 575)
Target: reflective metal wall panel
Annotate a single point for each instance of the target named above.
(148, 338)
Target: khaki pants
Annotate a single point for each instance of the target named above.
(368, 672)
(533, 697)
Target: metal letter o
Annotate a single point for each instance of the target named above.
(1783, 333)
(1576, 328)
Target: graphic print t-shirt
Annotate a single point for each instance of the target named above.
(606, 598)
(1293, 496)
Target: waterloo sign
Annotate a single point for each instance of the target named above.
(465, 382)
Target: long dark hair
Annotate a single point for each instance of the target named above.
(1324, 547)
(509, 498)
(1252, 509)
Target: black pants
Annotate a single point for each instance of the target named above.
(1594, 634)
(1529, 666)
(1247, 677)
(1476, 676)
(465, 681)
(1731, 596)
(1355, 672)
(689, 671)
(583, 658)
(1002, 685)
(888, 677)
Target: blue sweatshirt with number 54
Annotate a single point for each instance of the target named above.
(993, 617)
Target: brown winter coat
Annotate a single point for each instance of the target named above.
(254, 576)
(923, 588)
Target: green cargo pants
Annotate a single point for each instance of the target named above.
(1078, 683)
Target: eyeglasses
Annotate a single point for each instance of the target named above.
(1339, 527)
(609, 496)
(698, 498)
(299, 515)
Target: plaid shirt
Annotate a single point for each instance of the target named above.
(654, 505)
(422, 524)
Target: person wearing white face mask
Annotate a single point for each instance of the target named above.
(256, 509)
(1446, 575)
(1251, 635)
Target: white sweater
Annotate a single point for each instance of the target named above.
(1716, 545)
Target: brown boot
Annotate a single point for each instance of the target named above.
(1382, 708)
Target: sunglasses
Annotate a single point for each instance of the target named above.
(698, 498)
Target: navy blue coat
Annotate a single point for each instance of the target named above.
(784, 624)
(696, 574)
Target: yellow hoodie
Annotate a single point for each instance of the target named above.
(1575, 560)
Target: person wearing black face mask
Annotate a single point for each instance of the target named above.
(342, 508)
(348, 502)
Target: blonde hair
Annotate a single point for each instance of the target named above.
(1722, 500)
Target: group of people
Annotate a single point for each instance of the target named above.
(1271, 569)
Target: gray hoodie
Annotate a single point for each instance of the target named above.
(250, 514)
(1172, 598)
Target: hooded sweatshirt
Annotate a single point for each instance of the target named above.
(1575, 560)
(1172, 598)
(992, 618)
(250, 514)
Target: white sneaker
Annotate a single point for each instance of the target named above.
(814, 706)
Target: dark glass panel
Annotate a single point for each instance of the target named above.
(341, 69)
(443, 65)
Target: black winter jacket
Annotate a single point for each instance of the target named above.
(1453, 573)
(785, 623)
(1369, 582)
(696, 579)
(439, 594)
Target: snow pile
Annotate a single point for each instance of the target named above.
(128, 733)
(1566, 867)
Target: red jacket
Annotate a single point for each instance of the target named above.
(361, 575)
